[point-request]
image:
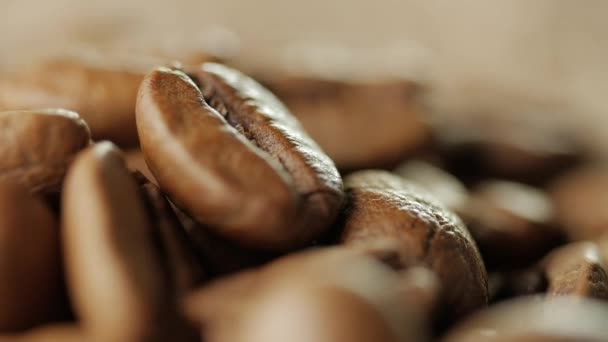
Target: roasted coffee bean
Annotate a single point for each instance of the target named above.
(578, 270)
(182, 261)
(439, 183)
(384, 206)
(119, 288)
(394, 304)
(535, 319)
(511, 147)
(512, 223)
(580, 197)
(232, 156)
(36, 146)
(31, 286)
(359, 125)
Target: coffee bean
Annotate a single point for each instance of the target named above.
(233, 158)
(31, 290)
(534, 319)
(359, 125)
(580, 196)
(36, 146)
(384, 206)
(578, 270)
(393, 303)
(512, 223)
(119, 288)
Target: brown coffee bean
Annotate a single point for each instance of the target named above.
(384, 206)
(577, 270)
(181, 258)
(579, 197)
(36, 146)
(391, 302)
(534, 319)
(439, 183)
(246, 167)
(513, 147)
(512, 223)
(359, 125)
(31, 290)
(119, 288)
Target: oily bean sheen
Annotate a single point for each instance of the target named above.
(37, 146)
(232, 156)
(119, 288)
(382, 205)
(30, 285)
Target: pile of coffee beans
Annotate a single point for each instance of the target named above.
(190, 202)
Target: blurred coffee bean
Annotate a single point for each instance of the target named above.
(330, 294)
(439, 183)
(31, 290)
(536, 319)
(512, 223)
(100, 87)
(120, 289)
(36, 146)
(359, 125)
(520, 148)
(384, 206)
(577, 270)
(580, 198)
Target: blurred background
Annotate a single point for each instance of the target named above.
(544, 57)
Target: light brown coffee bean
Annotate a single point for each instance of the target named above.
(384, 206)
(535, 319)
(512, 223)
(579, 197)
(439, 183)
(359, 125)
(232, 156)
(577, 270)
(31, 290)
(391, 303)
(119, 288)
(36, 146)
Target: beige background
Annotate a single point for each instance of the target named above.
(476, 54)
